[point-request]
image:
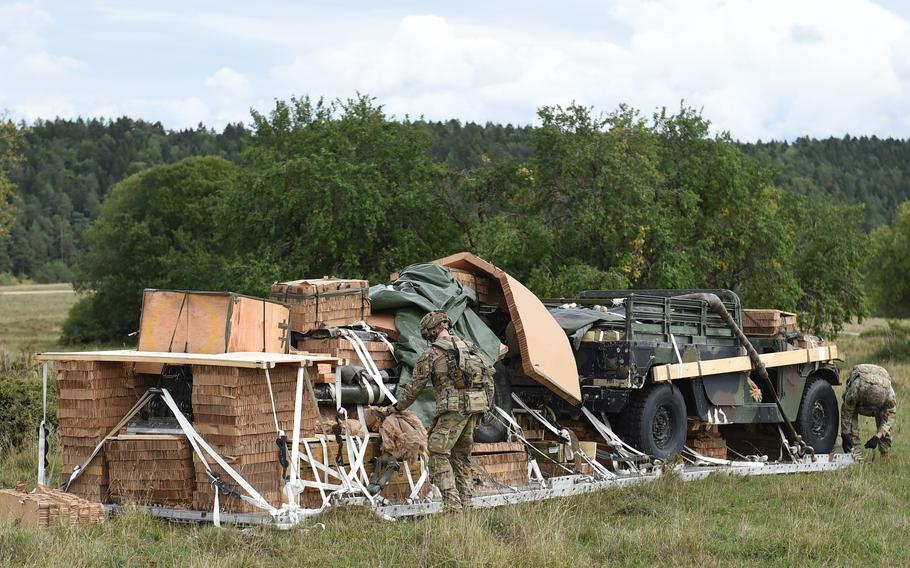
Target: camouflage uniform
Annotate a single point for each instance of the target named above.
(451, 435)
(868, 393)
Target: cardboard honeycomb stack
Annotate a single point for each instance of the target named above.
(708, 444)
(93, 397)
(151, 469)
(47, 508)
(488, 292)
(768, 322)
(342, 348)
(505, 463)
(233, 413)
(323, 302)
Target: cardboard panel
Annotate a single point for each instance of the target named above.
(546, 355)
(210, 323)
(183, 322)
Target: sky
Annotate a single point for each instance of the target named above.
(759, 69)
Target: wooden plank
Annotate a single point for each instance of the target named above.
(247, 360)
(675, 371)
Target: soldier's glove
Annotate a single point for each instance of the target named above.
(872, 443)
(846, 443)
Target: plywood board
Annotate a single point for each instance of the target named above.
(740, 364)
(546, 355)
(248, 360)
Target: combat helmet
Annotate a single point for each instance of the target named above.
(431, 321)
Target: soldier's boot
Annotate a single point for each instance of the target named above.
(442, 477)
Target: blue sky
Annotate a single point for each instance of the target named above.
(759, 69)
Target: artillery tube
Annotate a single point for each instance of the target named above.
(350, 394)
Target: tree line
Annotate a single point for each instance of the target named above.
(581, 200)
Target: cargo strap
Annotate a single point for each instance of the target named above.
(42, 430)
(615, 442)
(510, 423)
(367, 361)
(699, 459)
(566, 436)
(253, 497)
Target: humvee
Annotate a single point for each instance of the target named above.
(643, 366)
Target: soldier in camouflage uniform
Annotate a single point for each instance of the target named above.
(868, 393)
(458, 408)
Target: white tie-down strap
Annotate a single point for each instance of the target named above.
(268, 382)
(563, 434)
(700, 459)
(77, 471)
(252, 496)
(558, 432)
(533, 469)
(611, 438)
(367, 361)
(42, 428)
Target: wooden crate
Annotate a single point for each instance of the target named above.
(768, 323)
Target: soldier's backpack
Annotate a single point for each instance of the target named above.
(467, 368)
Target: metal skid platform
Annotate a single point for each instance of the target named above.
(563, 486)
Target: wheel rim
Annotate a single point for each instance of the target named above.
(819, 419)
(662, 426)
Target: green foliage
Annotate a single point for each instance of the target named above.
(829, 264)
(69, 166)
(21, 400)
(162, 228)
(10, 139)
(7, 279)
(856, 170)
(337, 188)
(597, 201)
(52, 272)
(888, 268)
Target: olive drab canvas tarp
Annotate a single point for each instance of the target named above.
(422, 288)
(546, 354)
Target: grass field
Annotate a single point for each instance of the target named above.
(859, 516)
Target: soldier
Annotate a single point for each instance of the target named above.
(868, 393)
(463, 382)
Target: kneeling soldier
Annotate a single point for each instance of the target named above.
(868, 393)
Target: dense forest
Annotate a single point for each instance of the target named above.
(67, 167)
(581, 199)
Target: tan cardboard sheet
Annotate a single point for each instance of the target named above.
(546, 355)
(251, 360)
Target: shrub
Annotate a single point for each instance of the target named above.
(53, 272)
(20, 401)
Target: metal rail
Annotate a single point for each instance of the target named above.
(563, 486)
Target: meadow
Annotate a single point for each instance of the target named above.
(857, 516)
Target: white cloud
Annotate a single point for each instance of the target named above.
(769, 69)
(31, 75)
(759, 69)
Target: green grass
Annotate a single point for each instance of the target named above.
(857, 516)
(31, 316)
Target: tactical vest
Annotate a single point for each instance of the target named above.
(467, 373)
(466, 367)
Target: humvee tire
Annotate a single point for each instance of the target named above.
(655, 421)
(819, 417)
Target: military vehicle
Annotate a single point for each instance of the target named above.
(656, 362)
